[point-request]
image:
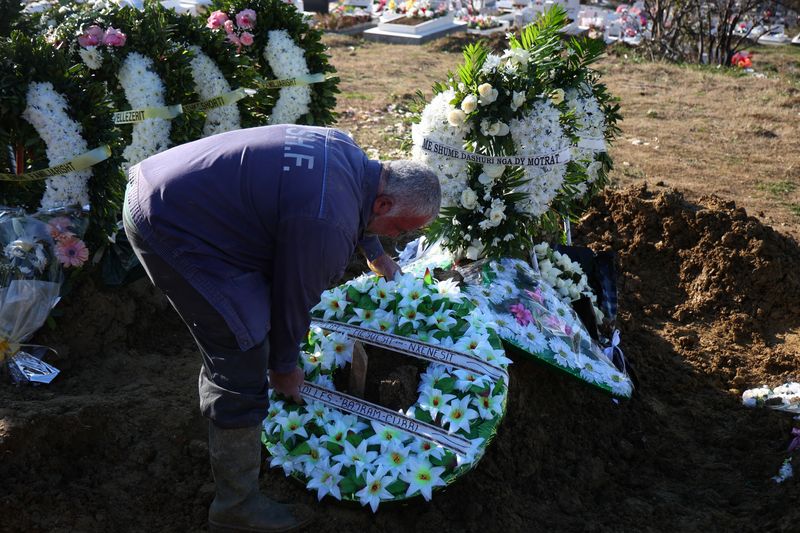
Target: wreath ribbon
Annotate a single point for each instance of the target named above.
(133, 116)
(81, 162)
(306, 79)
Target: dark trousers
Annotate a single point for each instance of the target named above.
(233, 383)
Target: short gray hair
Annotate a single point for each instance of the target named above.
(413, 187)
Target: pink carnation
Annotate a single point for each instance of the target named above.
(92, 36)
(234, 39)
(246, 38)
(114, 37)
(216, 20)
(71, 252)
(246, 19)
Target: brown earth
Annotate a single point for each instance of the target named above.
(708, 308)
(116, 443)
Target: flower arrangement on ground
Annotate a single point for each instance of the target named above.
(518, 141)
(481, 22)
(342, 17)
(422, 9)
(353, 458)
(533, 315)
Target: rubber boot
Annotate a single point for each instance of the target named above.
(239, 505)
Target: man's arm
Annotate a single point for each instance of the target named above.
(309, 255)
(378, 260)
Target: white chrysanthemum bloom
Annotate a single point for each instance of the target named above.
(287, 60)
(539, 133)
(46, 111)
(209, 82)
(590, 122)
(92, 57)
(434, 124)
(143, 88)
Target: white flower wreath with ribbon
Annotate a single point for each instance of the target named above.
(345, 447)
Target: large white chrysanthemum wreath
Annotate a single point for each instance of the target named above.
(434, 124)
(143, 88)
(351, 458)
(209, 83)
(47, 113)
(287, 60)
(532, 315)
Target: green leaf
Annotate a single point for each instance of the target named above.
(301, 449)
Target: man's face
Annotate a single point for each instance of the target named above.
(393, 226)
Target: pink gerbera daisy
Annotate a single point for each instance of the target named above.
(71, 252)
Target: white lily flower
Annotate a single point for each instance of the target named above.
(384, 435)
(325, 478)
(423, 477)
(395, 459)
(274, 412)
(281, 458)
(442, 319)
(381, 292)
(360, 458)
(363, 283)
(425, 449)
(375, 489)
(466, 379)
(362, 316)
(333, 303)
(457, 415)
(409, 315)
(489, 406)
(432, 374)
(293, 424)
(318, 358)
(341, 346)
(316, 453)
(432, 400)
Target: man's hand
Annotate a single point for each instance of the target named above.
(385, 266)
(287, 384)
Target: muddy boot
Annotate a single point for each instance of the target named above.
(239, 505)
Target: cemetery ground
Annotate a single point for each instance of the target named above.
(708, 308)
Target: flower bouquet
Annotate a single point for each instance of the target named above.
(35, 250)
(532, 315)
(482, 22)
(518, 141)
(342, 446)
(416, 11)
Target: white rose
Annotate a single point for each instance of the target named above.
(456, 117)
(485, 179)
(517, 99)
(475, 249)
(494, 171)
(488, 93)
(496, 216)
(469, 103)
(469, 199)
(502, 129)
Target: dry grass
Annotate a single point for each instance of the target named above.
(700, 130)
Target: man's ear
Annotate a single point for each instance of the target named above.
(382, 205)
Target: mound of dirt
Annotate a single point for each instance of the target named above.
(707, 307)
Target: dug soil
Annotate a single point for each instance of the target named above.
(708, 307)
